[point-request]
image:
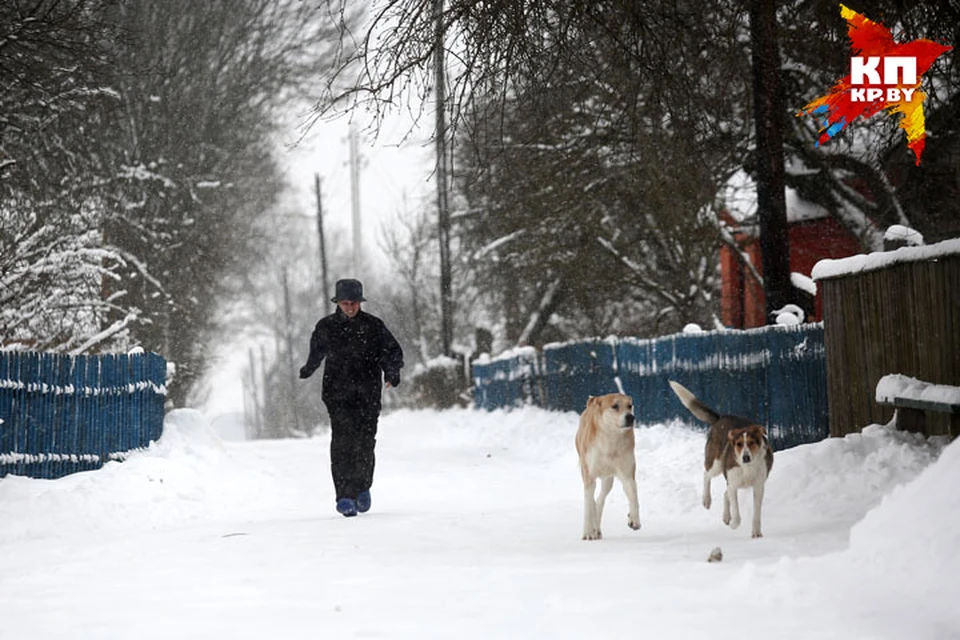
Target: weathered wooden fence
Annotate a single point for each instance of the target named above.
(775, 375)
(60, 414)
(886, 313)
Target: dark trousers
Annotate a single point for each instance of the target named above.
(352, 442)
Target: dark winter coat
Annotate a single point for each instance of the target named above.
(357, 350)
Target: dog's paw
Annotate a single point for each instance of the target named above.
(633, 524)
(707, 501)
(593, 535)
(734, 523)
(726, 518)
(756, 534)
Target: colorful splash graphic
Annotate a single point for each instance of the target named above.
(884, 76)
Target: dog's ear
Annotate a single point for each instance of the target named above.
(757, 431)
(733, 434)
(590, 400)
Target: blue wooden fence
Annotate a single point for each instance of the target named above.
(60, 414)
(775, 375)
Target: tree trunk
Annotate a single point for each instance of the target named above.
(768, 119)
(538, 320)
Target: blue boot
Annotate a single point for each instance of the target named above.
(363, 501)
(347, 506)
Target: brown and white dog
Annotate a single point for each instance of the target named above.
(737, 448)
(605, 446)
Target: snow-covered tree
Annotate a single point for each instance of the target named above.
(53, 273)
(617, 124)
(139, 151)
(58, 275)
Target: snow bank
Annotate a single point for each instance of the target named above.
(903, 564)
(477, 518)
(859, 467)
(916, 530)
(186, 431)
(229, 426)
(186, 475)
(897, 576)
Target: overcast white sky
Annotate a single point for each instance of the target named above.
(396, 176)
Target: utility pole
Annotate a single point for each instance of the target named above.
(323, 244)
(355, 201)
(291, 364)
(254, 427)
(443, 205)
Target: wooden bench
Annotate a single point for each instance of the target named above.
(913, 398)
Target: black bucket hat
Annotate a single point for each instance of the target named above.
(349, 289)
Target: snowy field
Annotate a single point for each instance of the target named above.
(475, 533)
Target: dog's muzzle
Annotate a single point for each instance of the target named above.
(628, 421)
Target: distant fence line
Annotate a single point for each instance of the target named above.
(60, 414)
(775, 375)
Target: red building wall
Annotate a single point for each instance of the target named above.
(742, 301)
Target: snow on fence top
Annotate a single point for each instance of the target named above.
(100, 390)
(894, 386)
(868, 262)
(520, 353)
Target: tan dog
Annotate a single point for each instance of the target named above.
(605, 445)
(737, 448)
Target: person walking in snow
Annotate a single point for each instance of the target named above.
(361, 352)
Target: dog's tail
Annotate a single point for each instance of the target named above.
(690, 401)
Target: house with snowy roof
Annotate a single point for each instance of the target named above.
(814, 235)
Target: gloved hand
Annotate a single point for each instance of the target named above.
(304, 373)
(394, 381)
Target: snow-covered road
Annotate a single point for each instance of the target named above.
(475, 533)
